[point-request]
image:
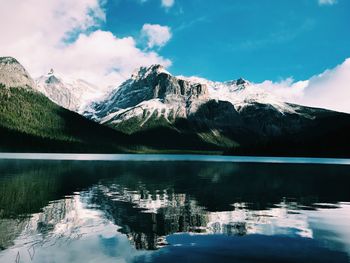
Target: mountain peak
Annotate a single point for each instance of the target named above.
(52, 79)
(13, 74)
(144, 72)
(241, 81)
(51, 72)
(156, 67)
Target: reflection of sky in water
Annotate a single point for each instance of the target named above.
(274, 221)
(79, 235)
(69, 230)
(331, 227)
(173, 212)
(171, 157)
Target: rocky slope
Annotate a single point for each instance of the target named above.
(29, 121)
(13, 74)
(69, 94)
(154, 110)
(152, 94)
(162, 110)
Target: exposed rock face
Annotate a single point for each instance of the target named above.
(13, 74)
(156, 83)
(173, 112)
(163, 111)
(30, 122)
(152, 93)
(154, 97)
(216, 112)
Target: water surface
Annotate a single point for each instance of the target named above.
(164, 210)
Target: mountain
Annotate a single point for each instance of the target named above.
(70, 94)
(29, 121)
(150, 98)
(160, 110)
(154, 111)
(13, 74)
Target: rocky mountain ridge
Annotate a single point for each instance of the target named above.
(31, 122)
(156, 111)
(151, 91)
(158, 107)
(13, 74)
(70, 94)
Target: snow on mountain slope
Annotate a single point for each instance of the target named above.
(242, 93)
(150, 93)
(72, 94)
(153, 93)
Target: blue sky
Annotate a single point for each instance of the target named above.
(296, 49)
(255, 39)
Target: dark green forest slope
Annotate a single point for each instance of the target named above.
(31, 122)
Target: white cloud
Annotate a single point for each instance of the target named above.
(330, 90)
(157, 35)
(103, 58)
(168, 3)
(33, 32)
(164, 3)
(327, 2)
(287, 89)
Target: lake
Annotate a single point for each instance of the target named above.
(173, 208)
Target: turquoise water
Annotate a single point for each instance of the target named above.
(173, 208)
(171, 157)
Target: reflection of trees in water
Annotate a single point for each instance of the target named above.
(28, 190)
(145, 229)
(39, 225)
(22, 194)
(216, 186)
(10, 229)
(146, 220)
(152, 200)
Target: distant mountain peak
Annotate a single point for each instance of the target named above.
(144, 72)
(51, 72)
(156, 67)
(241, 81)
(52, 79)
(72, 94)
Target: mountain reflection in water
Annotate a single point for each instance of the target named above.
(73, 211)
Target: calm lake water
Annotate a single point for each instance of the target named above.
(165, 209)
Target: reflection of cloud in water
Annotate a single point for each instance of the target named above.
(88, 226)
(331, 226)
(167, 213)
(144, 199)
(275, 221)
(66, 231)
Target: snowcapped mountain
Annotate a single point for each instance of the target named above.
(241, 93)
(167, 111)
(152, 96)
(154, 93)
(72, 94)
(151, 93)
(13, 74)
(155, 111)
(30, 122)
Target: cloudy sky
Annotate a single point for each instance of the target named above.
(298, 48)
